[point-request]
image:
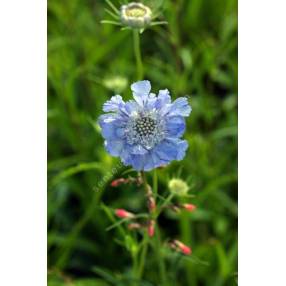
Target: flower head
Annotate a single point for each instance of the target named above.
(145, 132)
(133, 15)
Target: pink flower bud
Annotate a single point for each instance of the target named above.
(189, 207)
(182, 247)
(118, 182)
(123, 213)
(151, 204)
(151, 228)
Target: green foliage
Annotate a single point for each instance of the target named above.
(195, 55)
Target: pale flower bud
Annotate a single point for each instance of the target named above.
(178, 187)
(136, 15)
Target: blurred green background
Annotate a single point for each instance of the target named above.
(195, 55)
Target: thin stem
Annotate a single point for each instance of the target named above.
(143, 255)
(155, 183)
(160, 260)
(145, 184)
(164, 204)
(158, 244)
(135, 265)
(137, 52)
(145, 238)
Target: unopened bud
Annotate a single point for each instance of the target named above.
(179, 246)
(136, 15)
(122, 213)
(189, 207)
(178, 187)
(118, 182)
(151, 204)
(151, 228)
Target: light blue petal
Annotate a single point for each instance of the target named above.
(137, 149)
(163, 98)
(137, 162)
(114, 147)
(141, 90)
(152, 161)
(180, 107)
(125, 157)
(120, 132)
(111, 126)
(113, 104)
(175, 126)
(151, 102)
(182, 148)
(132, 106)
(171, 149)
(166, 151)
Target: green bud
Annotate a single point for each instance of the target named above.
(115, 83)
(178, 187)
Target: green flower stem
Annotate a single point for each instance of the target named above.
(145, 238)
(143, 255)
(160, 259)
(155, 183)
(164, 204)
(157, 238)
(137, 51)
(135, 265)
(158, 244)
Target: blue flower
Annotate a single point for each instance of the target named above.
(145, 132)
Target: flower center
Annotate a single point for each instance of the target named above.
(146, 130)
(135, 11)
(136, 15)
(145, 126)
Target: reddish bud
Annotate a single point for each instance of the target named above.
(118, 182)
(189, 207)
(123, 213)
(151, 228)
(182, 247)
(151, 204)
